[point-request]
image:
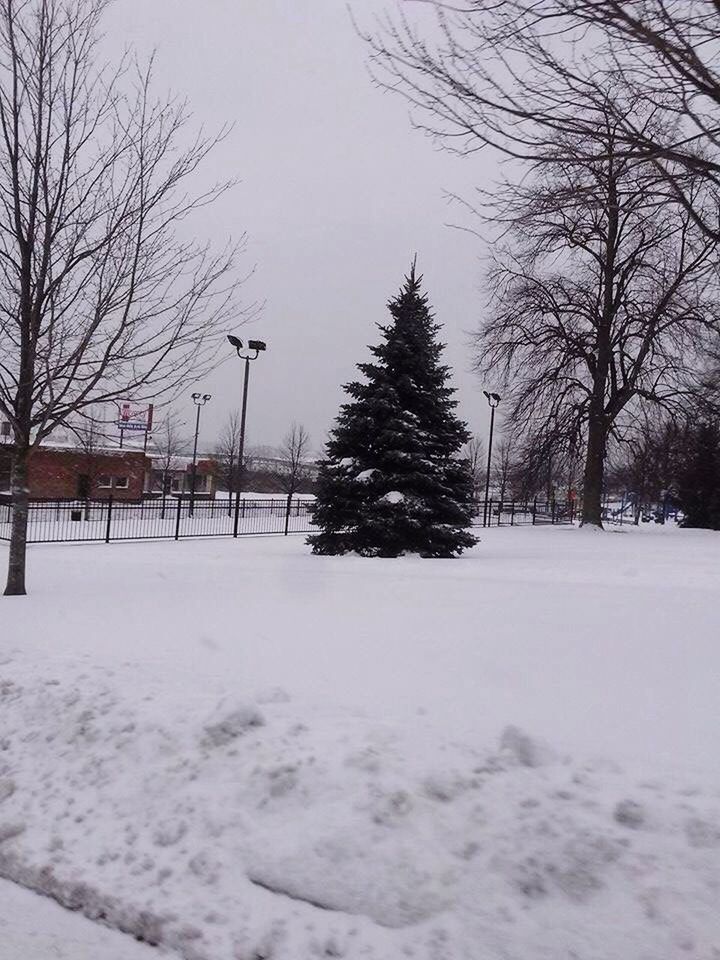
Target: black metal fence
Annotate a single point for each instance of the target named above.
(59, 521)
(510, 513)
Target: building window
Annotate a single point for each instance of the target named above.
(176, 485)
(4, 429)
(105, 483)
(121, 483)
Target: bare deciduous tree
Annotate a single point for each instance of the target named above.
(90, 440)
(504, 468)
(604, 295)
(100, 296)
(169, 446)
(648, 464)
(476, 457)
(293, 452)
(226, 456)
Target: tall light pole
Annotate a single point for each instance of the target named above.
(493, 399)
(255, 348)
(199, 399)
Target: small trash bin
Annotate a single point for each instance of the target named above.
(76, 515)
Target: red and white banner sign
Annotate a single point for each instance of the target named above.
(133, 416)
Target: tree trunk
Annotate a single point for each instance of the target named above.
(598, 424)
(18, 537)
(288, 507)
(594, 473)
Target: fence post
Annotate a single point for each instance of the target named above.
(236, 520)
(177, 518)
(534, 511)
(512, 514)
(109, 520)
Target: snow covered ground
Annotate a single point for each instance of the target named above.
(37, 928)
(240, 751)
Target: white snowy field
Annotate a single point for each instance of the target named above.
(240, 751)
(35, 928)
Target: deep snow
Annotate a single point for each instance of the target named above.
(239, 750)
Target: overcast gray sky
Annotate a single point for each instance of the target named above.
(337, 193)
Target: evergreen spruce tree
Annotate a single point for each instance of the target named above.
(392, 481)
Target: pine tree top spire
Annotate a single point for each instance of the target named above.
(412, 279)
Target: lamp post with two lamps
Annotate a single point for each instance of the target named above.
(255, 348)
(199, 399)
(494, 400)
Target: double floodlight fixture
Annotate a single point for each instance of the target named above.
(257, 345)
(201, 398)
(492, 398)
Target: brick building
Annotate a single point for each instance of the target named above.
(60, 473)
(66, 473)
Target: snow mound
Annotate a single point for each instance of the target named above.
(229, 724)
(525, 749)
(227, 834)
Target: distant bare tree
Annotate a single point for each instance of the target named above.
(169, 445)
(226, 456)
(476, 457)
(293, 452)
(504, 467)
(648, 464)
(539, 464)
(100, 297)
(90, 440)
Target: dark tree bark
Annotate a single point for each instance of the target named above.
(18, 536)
